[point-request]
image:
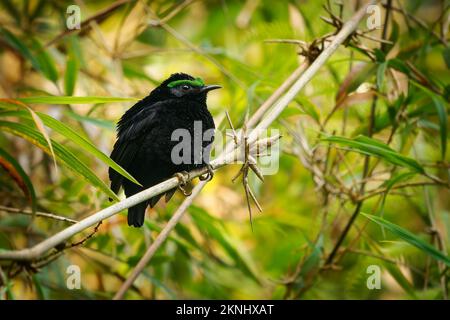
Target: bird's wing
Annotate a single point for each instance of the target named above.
(131, 134)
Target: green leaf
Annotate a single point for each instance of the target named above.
(357, 76)
(372, 147)
(40, 291)
(442, 114)
(151, 225)
(12, 10)
(313, 260)
(410, 238)
(308, 107)
(70, 77)
(393, 37)
(79, 140)
(74, 48)
(380, 74)
(46, 63)
(446, 56)
(16, 172)
(399, 65)
(391, 183)
(73, 100)
(35, 118)
(209, 225)
(379, 55)
(400, 278)
(17, 44)
(396, 179)
(66, 157)
(103, 123)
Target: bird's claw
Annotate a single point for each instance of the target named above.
(183, 178)
(208, 176)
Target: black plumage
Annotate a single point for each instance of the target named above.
(144, 132)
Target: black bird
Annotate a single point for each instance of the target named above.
(144, 144)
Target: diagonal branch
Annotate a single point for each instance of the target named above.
(162, 236)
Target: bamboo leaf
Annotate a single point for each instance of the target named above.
(12, 10)
(373, 147)
(207, 224)
(400, 278)
(70, 77)
(73, 100)
(354, 79)
(380, 74)
(18, 45)
(38, 122)
(442, 114)
(63, 155)
(392, 182)
(446, 56)
(17, 173)
(308, 107)
(46, 63)
(410, 238)
(399, 65)
(102, 123)
(79, 140)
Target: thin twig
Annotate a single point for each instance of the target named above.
(38, 214)
(162, 236)
(86, 24)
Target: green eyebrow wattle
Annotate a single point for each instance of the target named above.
(198, 82)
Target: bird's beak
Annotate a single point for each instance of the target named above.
(209, 88)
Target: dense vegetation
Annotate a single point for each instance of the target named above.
(363, 176)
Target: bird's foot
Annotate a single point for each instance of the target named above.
(208, 176)
(183, 178)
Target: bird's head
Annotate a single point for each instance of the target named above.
(184, 86)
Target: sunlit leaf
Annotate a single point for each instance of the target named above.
(372, 147)
(395, 272)
(74, 100)
(46, 64)
(21, 47)
(443, 118)
(380, 74)
(37, 120)
(357, 76)
(63, 155)
(70, 77)
(79, 140)
(308, 107)
(410, 238)
(102, 123)
(446, 56)
(207, 224)
(16, 172)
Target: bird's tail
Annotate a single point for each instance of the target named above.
(136, 214)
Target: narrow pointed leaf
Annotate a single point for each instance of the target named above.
(66, 157)
(442, 114)
(16, 172)
(79, 140)
(372, 147)
(74, 100)
(410, 238)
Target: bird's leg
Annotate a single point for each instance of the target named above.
(208, 176)
(183, 178)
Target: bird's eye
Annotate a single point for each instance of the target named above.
(185, 87)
